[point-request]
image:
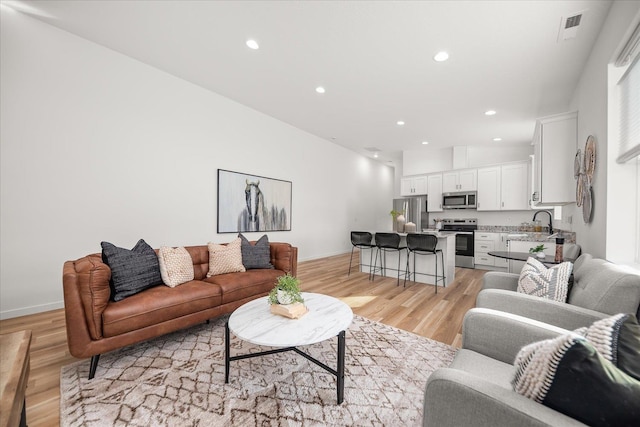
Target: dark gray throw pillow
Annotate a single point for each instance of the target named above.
(132, 271)
(569, 375)
(255, 256)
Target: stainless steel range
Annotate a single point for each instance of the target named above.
(464, 229)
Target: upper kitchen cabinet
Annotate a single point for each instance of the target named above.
(434, 193)
(464, 180)
(554, 146)
(504, 187)
(415, 186)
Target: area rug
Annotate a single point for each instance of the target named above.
(178, 380)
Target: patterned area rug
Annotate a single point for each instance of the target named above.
(178, 380)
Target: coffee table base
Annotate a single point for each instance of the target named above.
(339, 372)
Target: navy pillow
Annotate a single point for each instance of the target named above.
(255, 256)
(132, 271)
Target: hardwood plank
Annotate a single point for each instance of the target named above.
(415, 308)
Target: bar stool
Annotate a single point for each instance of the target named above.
(361, 240)
(387, 242)
(424, 244)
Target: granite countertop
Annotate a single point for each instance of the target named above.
(517, 234)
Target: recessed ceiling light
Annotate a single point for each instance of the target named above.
(490, 112)
(400, 123)
(441, 56)
(320, 89)
(497, 139)
(375, 155)
(425, 142)
(252, 44)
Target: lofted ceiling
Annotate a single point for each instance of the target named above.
(374, 59)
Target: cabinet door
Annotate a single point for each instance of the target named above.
(434, 193)
(489, 189)
(420, 185)
(468, 180)
(514, 193)
(501, 246)
(450, 182)
(406, 187)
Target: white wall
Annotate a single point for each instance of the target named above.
(98, 146)
(428, 160)
(590, 99)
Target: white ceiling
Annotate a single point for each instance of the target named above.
(375, 59)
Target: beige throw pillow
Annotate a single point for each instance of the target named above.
(225, 258)
(176, 266)
(551, 283)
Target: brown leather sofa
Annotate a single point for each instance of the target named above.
(96, 324)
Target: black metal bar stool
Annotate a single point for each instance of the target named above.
(387, 242)
(424, 244)
(361, 240)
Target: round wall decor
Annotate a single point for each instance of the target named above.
(590, 157)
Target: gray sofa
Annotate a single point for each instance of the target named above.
(600, 289)
(476, 390)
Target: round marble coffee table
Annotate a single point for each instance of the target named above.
(327, 317)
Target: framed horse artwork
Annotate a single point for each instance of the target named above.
(252, 203)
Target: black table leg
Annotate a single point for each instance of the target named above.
(226, 353)
(340, 376)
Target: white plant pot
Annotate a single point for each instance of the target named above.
(284, 297)
(541, 255)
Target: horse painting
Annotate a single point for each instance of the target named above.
(256, 216)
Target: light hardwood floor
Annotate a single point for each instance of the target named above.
(415, 308)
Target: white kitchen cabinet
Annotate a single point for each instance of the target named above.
(485, 242)
(434, 192)
(414, 186)
(489, 181)
(464, 180)
(554, 148)
(504, 187)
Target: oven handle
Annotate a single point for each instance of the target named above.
(462, 232)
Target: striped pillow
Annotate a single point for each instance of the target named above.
(551, 283)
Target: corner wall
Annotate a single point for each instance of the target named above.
(590, 99)
(98, 146)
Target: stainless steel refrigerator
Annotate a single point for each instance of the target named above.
(415, 210)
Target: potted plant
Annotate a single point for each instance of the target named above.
(395, 215)
(286, 291)
(538, 251)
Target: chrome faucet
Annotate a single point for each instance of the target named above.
(550, 219)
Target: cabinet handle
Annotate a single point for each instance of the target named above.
(503, 204)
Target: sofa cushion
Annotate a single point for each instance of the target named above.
(159, 304)
(257, 255)
(538, 280)
(176, 266)
(568, 374)
(617, 339)
(132, 271)
(484, 367)
(605, 287)
(225, 258)
(237, 286)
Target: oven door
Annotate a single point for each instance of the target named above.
(464, 243)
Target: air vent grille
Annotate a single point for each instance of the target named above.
(572, 21)
(372, 149)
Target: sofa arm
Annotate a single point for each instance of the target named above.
(284, 257)
(556, 313)
(501, 335)
(455, 398)
(500, 280)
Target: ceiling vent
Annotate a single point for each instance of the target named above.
(569, 27)
(372, 149)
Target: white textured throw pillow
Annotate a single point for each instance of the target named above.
(176, 266)
(551, 283)
(225, 258)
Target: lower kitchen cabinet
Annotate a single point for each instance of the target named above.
(485, 242)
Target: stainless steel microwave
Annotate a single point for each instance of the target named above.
(460, 200)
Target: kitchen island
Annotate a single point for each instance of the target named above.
(425, 264)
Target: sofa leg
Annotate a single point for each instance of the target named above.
(93, 365)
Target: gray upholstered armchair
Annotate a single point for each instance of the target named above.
(476, 390)
(600, 289)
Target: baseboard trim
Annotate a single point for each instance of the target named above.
(34, 309)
